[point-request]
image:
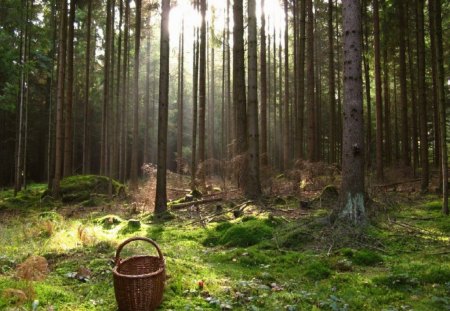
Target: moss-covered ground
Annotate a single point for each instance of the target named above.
(259, 261)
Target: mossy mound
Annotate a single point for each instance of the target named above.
(362, 257)
(81, 188)
(109, 221)
(295, 239)
(131, 226)
(241, 234)
(318, 270)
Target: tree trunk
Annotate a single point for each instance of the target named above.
(123, 133)
(403, 93)
(442, 106)
(286, 113)
(421, 96)
(312, 118)
(366, 65)
(239, 99)
(68, 132)
(253, 187)
(194, 109)
(415, 146)
(50, 140)
(202, 95)
(352, 207)
(211, 101)
(118, 113)
(135, 146)
(301, 77)
(387, 106)
(263, 64)
(331, 82)
(146, 153)
(434, 89)
(161, 191)
(86, 136)
(60, 98)
(20, 105)
(378, 92)
(180, 101)
(230, 117)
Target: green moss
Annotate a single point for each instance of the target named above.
(246, 234)
(131, 226)
(347, 252)
(433, 206)
(109, 221)
(436, 275)
(79, 188)
(366, 258)
(317, 270)
(402, 281)
(223, 226)
(295, 238)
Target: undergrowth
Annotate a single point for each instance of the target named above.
(255, 262)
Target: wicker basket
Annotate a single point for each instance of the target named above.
(139, 280)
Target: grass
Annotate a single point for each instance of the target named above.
(251, 263)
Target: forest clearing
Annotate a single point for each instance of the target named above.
(224, 155)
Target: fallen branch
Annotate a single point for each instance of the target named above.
(397, 183)
(199, 202)
(179, 190)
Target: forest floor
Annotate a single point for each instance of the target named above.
(280, 253)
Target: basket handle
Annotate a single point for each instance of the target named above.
(121, 246)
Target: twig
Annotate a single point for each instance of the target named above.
(186, 204)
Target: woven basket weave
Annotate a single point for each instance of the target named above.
(139, 280)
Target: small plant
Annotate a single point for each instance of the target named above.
(35, 268)
(47, 228)
(86, 237)
(334, 303)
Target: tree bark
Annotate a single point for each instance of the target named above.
(135, 145)
(180, 101)
(331, 82)
(442, 106)
(60, 99)
(434, 89)
(312, 118)
(422, 96)
(286, 101)
(253, 187)
(146, 153)
(403, 93)
(202, 95)
(378, 92)
(352, 207)
(68, 132)
(86, 121)
(263, 82)
(161, 191)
